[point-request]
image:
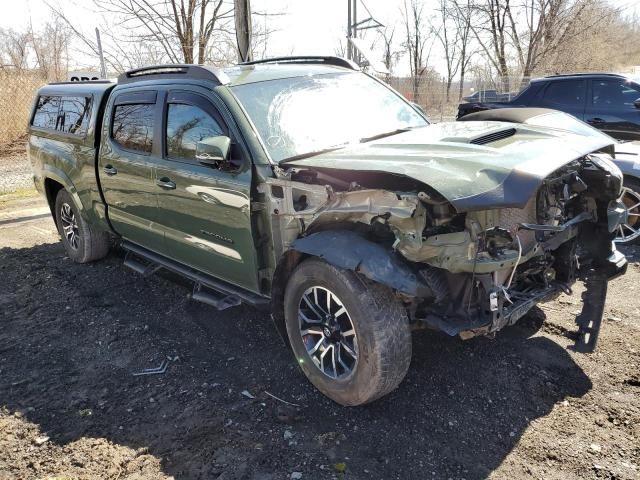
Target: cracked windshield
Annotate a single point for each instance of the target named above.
(296, 116)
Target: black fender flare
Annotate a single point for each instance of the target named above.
(350, 250)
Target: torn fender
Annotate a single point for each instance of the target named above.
(350, 250)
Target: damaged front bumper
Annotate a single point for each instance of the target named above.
(495, 305)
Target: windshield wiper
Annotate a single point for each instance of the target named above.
(385, 134)
(300, 156)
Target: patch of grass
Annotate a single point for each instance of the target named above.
(20, 193)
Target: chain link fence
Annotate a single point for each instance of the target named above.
(17, 91)
(431, 94)
(442, 106)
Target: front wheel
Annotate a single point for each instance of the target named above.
(629, 233)
(82, 241)
(351, 337)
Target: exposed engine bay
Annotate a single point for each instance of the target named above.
(466, 273)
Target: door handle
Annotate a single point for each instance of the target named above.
(595, 120)
(166, 183)
(110, 170)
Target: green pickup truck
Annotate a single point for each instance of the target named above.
(307, 187)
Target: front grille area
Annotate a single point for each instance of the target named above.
(494, 137)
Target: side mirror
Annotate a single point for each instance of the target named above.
(637, 103)
(211, 150)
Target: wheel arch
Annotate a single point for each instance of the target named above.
(351, 251)
(56, 180)
(51, 189)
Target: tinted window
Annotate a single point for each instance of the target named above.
(132, 126)
(47, 110)
(74, 115)
(186, 126)
(566, 92)
(610, 93)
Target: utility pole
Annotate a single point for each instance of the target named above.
(103, 69)
(349, 22)
(352, 29)
(243, 29)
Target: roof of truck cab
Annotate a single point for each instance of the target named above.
(244, 74)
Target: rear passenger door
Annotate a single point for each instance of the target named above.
(206, 214)
(129, 152)
(565, 95)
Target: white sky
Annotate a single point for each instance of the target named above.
(312, 27)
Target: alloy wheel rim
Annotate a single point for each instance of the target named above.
(327, 332)
(69, 225)
(630, 230)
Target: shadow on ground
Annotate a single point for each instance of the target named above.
(71, 337)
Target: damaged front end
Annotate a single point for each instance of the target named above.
(469, 272)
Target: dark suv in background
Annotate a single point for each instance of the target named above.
(608, 102)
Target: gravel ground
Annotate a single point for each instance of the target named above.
(15, 170)
(72, 337)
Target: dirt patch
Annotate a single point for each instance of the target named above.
(73, 336)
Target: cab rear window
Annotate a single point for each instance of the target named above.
(67, 114)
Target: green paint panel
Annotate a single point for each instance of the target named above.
(206, 220)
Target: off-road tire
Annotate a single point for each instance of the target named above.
(93, 244)
(381, 325)
(634, 185)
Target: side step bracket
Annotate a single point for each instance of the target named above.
(217, 300)
(140, 267)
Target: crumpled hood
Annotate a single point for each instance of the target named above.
(502, 173)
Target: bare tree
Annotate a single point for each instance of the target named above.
(461, 17)
(489, 27)
(548, 26)
(14, 49)
(340, 50)
(51, 49)
(445, 29)
(183, 28)
(390, 54)
(533, 31)
(417, 44)
(612, 44)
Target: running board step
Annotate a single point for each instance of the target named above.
(218, 300)
(137, 266)
(208, 289)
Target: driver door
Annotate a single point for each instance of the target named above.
(205, 209)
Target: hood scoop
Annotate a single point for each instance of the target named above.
(494, 137)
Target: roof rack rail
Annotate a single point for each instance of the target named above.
(174, 71)
(584, 74)
(308, 59)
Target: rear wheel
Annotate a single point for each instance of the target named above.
(83, 242)
(629, 233)
(351, 337)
